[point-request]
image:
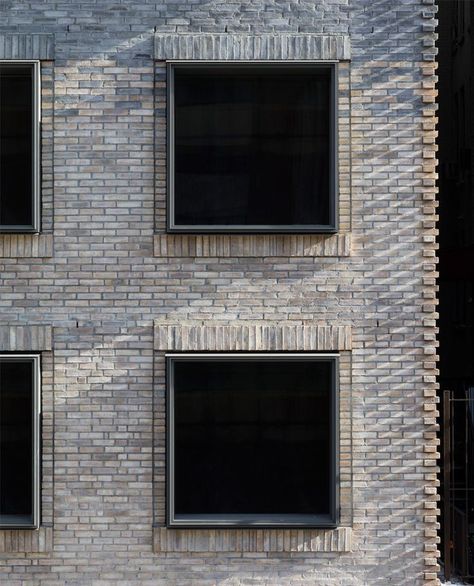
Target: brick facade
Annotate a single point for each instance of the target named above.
(107, 290)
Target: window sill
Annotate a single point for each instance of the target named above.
(252, 245)
(26, 245)
(26, 540)
(252, 540)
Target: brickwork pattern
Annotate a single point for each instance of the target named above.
(253, 540)
(233, 47)
(255, 337)
(29, 46)
(25, 338)
(103, 288)
(251, 245)
(26, 541)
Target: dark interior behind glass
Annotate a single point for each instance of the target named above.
(252, 146)
(16, 441)
(16, 145)
(253, 437)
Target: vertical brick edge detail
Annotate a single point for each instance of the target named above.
(25, 338)
(251, 46)
(26, 245)
(252, 337)
(26, 540)
(225, 246)
(252, 540)
(26, 46)
(430, 274)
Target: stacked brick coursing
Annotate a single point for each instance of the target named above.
(106, 282)
(394, 158)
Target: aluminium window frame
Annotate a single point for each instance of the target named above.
(331, 228)
(330, 521)
(35, 227)
(36, 359)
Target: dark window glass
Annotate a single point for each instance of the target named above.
(16, 442)
(253, 438)
(16, 145)
(252, 147)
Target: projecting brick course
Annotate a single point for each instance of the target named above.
(103, 272)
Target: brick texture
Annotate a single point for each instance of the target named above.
(27, 46)
(253, 540)
(25, 338)
(26, 245)
(228, 47)
(263, 337)
(231, 245)
(17, 541)
(108, 280)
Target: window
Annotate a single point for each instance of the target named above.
(251, 148)
(252, 440)
(19, 440)
(19, 148)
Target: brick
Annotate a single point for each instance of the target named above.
(113, 273)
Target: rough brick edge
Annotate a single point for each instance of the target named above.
(430, 232)
(252, 337)
(25, 338)
(26, 540)
(226, 246)
(252, 540)
(30, 46)
(26, 245)
(45, 243)
(47, 438)
(263, 46)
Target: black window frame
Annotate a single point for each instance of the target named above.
(330, 521)
(331, 228)
(36, 361)
(35, 226)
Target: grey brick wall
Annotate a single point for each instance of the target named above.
(106, 276)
